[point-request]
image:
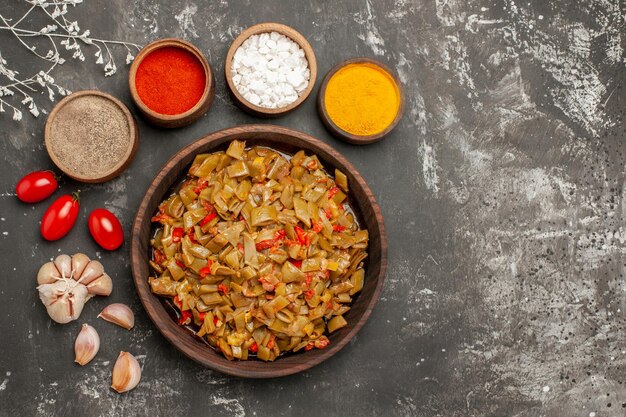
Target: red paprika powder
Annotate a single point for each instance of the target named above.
(170, 80)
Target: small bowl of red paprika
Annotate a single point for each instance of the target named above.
(171, 82)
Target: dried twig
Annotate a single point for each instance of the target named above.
(62, 34)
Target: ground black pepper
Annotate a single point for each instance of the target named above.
(89, 136)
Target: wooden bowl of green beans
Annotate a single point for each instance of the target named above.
(360, 200)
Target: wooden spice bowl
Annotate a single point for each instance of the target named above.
(339, 132)
(59, 160)
(287, 140)
(295, 36)
(174, 120)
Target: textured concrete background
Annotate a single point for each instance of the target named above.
(502, 191)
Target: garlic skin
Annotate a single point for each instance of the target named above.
(87, 345)
(119, 314)
(63, 301)
(126, 373)
(63, 285)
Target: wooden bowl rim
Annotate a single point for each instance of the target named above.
(292, 34)
(339, 132)
(130, 151)
(174, 333)
(175, 43)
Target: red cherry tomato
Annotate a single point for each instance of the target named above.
(36, 186)
(106, 229)
(60, 217)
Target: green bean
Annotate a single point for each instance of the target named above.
(235, 149)
(270, 257)
(336, 323)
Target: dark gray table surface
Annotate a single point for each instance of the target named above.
(502, 193)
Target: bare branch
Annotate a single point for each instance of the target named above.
(59, 31)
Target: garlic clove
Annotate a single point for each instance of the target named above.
(48, 273)
(126, 373)
(63, 304)
(79, 262)
(64, 265)
(119, 314)
(93, 270)
(101, 286)
(87, 345)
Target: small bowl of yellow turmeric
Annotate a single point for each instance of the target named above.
(360, 100)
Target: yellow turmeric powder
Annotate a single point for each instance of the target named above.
(362, 98)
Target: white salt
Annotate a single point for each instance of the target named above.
(270, 70)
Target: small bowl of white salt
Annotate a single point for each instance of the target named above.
(270, 69)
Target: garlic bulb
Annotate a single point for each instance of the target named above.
(126, 373)
(87, 345)
(119, 314)
(67, 283)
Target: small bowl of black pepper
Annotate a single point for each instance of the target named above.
(91, 136)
